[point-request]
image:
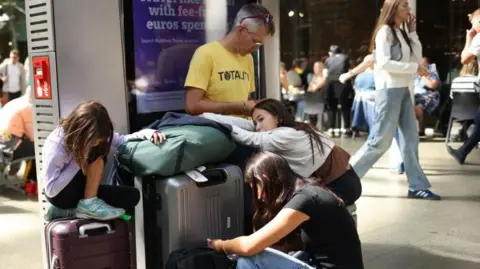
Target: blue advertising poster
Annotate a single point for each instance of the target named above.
(167, 33)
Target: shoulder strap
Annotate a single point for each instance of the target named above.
(404, 36)
(407, 38)
(394, 34)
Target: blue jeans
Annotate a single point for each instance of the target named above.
(271, 258)
(395, 110)
(371, 136)
(300, 108)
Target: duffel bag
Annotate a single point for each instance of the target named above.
(186, 147)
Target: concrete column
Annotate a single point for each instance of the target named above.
(272, 52)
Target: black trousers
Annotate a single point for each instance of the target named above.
(26, 149)
(339, 94)
(117, 196)
(13, 95)
(348, 187)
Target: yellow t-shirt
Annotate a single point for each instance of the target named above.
(224, 76)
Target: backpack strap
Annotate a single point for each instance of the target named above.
(404, 35)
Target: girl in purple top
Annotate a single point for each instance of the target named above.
(74, 156)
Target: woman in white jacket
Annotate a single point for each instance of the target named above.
(397, 53)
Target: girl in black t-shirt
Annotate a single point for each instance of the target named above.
(286, 202)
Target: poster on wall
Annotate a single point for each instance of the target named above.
(166, 34)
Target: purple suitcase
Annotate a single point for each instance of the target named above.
(92, 244)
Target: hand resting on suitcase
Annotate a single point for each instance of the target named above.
(158, 138)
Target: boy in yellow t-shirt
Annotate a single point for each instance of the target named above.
(221, 74)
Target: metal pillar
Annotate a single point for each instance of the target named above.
(83, 42)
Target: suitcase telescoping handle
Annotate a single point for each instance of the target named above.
(214, 176)
(92, 226)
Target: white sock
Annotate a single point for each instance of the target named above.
(89, 200)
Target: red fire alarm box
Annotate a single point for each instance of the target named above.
(41, 77)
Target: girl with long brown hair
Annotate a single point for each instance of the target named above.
(74, 156)
(308, 151)
(284, 202)
(398, 52)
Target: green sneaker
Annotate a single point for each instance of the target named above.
(54, 212)
(97, 209)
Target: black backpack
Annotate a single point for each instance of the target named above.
(198, 258)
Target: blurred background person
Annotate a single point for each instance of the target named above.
(337, 93)
(427, 96)
(12, 73)
(296, 88)
(315, 97)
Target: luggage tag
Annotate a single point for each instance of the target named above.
(201, 168)
(196, 174)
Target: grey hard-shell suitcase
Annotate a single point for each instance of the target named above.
(180, 212)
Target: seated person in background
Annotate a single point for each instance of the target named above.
(309, 152)
(296, 88)
(315, 97)
(461, 154)
(221, 75)
(74, 156)
(284, 202)
(364, 80)
(284, 89)
(283, 77)
(427, 97)
(17, 126)
(468, 72)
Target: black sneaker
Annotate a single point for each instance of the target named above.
(456, 155)
(348, 134)
(423, 194)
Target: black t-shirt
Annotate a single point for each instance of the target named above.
(331, 230)
(337, 65)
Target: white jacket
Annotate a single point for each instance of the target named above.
(391, 72)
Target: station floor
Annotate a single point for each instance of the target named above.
(396, 232)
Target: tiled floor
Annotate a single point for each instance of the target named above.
(396, 232)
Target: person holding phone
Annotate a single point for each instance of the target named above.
(397, 55)
(285, 202)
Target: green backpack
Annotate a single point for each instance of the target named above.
(186, 147)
